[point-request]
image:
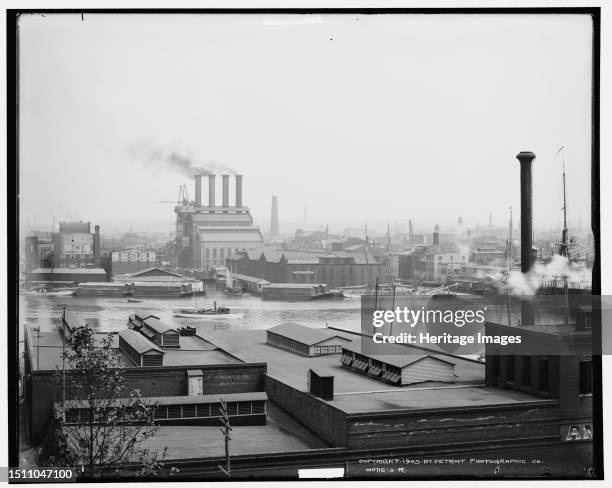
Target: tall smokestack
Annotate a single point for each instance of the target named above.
(211, 190)
(198, 190)
(238, 190)
(410, 234)
(436, 235)
(96, 246)
(225, 190)
(274, 217)
(526, 160)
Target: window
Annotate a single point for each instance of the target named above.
(510, 369)
(586, 377)
(543, 374)
(526, 370)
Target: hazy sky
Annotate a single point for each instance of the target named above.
(378, 118)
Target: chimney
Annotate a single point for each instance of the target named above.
(526, 160)
(96, 247)
(198, 190)
(410, 234)
(274, 217)
(225, 190)
(211, 190)
(238, 190)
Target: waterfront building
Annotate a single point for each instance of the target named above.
(206, 235)
(305, 340)
(335, 269)
(401, 368)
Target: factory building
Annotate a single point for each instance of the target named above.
(74, 246)
(208, 233)
(335, 269)
(306, 340)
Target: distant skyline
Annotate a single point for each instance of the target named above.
(377, 118)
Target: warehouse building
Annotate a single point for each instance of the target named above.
(399, 369)
(335, 269)
(305, 340)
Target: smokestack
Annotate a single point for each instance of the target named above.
(274, 217)
(526, 160)
(96, 246)
(211, 190)
(436, 235)
(225, 190)
(238, 190)
(198, 190)
(410, 234)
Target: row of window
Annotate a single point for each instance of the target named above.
(320, 350)
(542, 372)
(292, 344)
(372, 367)
(169, 412)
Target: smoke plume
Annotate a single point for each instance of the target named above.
(182, 162)
(559, 269)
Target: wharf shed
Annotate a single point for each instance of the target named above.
(398, 369)
(305, 340)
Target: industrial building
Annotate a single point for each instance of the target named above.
(399, 369)
(160, 370)
(75, 246)
(53, 257)
(335, 269)
(305, 340)
(208, 234)
(132, 261)
(160, 282)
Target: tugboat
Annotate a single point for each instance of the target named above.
(205, 313)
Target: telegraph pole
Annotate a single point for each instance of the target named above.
(64, 364)
(225, 430)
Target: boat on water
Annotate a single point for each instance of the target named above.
(196, 312)
(230, 289)
(52, 292)
(134, 300)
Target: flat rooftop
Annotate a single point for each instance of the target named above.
(46, 351)
(281, 434)
(357, 393)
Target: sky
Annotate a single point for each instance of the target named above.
(347, 118)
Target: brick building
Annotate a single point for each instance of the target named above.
(336, 269)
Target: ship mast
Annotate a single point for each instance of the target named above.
(564, 249)
(367, 251)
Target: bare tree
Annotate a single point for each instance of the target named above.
(100, 428)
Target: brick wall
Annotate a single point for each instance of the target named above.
(324, 420)
(43, 390)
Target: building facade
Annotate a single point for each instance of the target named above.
(132, 260)
(206, 235)
(333, 269)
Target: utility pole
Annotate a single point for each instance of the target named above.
(225, 430)
(64, 365)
